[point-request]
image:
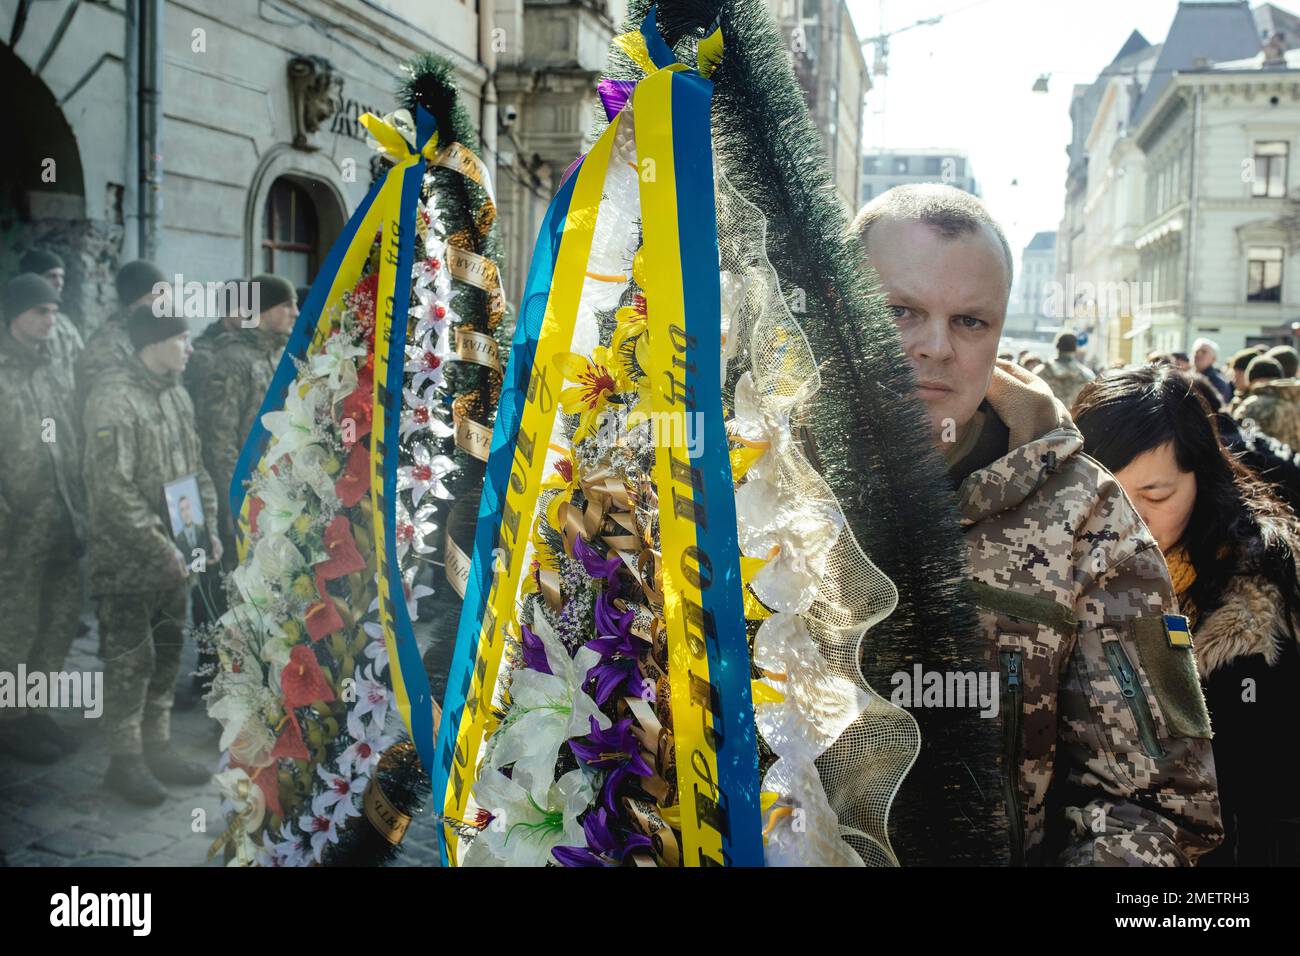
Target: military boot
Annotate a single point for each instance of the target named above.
(131, 779)
(170, 767)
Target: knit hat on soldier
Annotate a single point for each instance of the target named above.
(1066, 342)
(1263, 367)
(1286, 357)
(136, 279)
(272, 290)
(1245, 357)
(147, 329)
(40, 261)
(26, 292)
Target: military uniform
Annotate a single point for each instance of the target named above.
(1066, 376)
(1274, 407)
(140, 434)
(227, 399)
(42, 501)
(206, 346)
(1104, 724)
(108, 347)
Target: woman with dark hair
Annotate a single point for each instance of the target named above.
(1231, 547)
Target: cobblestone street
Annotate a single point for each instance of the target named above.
(58, 815)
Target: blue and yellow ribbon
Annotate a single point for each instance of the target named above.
(713, 718)
(388, 208)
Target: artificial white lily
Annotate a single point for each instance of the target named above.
(280, 509)
(425, 474)
(760, 425)
(525, 830)
(336, 363)
(309, 468)
(545, 711)
(294, 426)
(796, 536)
(817, 705)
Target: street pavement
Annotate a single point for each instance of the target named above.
(59, 815)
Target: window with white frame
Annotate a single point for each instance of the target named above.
(1270, 170)
(1264, 273)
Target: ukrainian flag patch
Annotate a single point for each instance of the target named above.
(1177, 631)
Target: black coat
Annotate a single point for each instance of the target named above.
(1250, 664)
(1267, 457)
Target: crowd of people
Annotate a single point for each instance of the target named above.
(1132, 536)
(119, 451)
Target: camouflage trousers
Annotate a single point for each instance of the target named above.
(141, 636)
(40, 604)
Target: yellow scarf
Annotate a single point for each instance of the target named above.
(1183, 576)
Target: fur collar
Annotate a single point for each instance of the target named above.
(1250, 621)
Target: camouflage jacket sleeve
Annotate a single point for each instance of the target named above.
(122, 521)
(1139, 786)
(221, 402)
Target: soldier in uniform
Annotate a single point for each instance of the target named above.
(140, 435)
(48, 265)
(1100, 702)
(42, 503)
(136, 284)
(1065, 375)
(209, 341)
(227, 399)
(1271, 401)
(1240, 384)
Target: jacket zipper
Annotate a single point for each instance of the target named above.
(1012, 708)
(1131, 688)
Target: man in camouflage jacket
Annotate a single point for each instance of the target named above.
(42, 502)
(1105, 731)
(1065, 375)
(140, 436)
(229, 396)
(1271, 404)
(137, 283)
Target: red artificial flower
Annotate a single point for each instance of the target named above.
(359, 406)
(302, 682)
(341, 548)
(435, 263)
(255, 506)
(267, 780)
(290, 745)
(354, 483)
(322, 617)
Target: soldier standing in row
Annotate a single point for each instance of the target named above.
(140, 436)
(42, 503)
(1100, 700)
(1065, 374)
(229, 395)
(137, 283)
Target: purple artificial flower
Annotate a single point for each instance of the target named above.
(595, 565)
(533, 651)
(616, 750)
(604, 848)
(614, 95)
(617, 667)
(609, 619)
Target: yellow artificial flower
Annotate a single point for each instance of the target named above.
(599, 378)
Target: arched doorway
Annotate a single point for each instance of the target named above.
(42, 188)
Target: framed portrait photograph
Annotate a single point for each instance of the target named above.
(189, 524)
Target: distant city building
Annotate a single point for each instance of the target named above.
(828, 61)
(1033, 291)
(1182, 215)
(884, 169)
(222, 139)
